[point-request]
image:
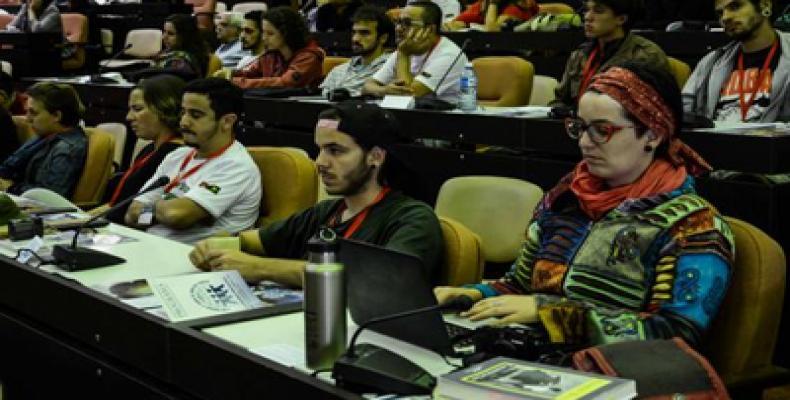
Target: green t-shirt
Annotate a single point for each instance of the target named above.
(397, 222)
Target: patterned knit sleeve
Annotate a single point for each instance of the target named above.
(691, 277)
(519, 279)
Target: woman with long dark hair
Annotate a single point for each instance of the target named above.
(184, 51)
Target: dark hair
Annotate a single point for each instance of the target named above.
(189, 39)
(431, 14)
(59, 97)
(384, 25)
(666, 86)
(44, 3)
(162, 94)
(291, 26)
(224, 97)
(6, 83)
(255, 16)
(394, 171)
(633, 9)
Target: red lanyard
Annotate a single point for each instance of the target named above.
(746, 105)
(180, 177)
(136, 166)
(589, 70)
(360, 217)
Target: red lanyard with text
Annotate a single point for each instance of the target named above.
(179, 177)
(589, 70)
(360, 217)
(746, 105)
(136, 166)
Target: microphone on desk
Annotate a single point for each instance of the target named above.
(97, 78)
(73, 258)
(431, 101)
(380, 369)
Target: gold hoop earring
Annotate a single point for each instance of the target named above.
(766, 12)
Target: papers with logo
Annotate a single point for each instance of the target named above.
(204, 294)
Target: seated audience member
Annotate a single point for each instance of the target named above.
(154, 113)
(612, 250)
(7, 128)
(214, 183)
(607, 25)
(37, 16)
(291, 58)
(492, 14)
(230, 49)
(251, 38)
(184, 52)
(335, 15)
(55, 158)
(358, 161)
(372, 33)
(422, 59)
(747, 80)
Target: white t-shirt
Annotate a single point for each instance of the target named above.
(227, 187)
(429, 72)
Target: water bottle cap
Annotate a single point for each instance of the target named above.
(325, 241)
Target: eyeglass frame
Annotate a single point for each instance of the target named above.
(610, 129)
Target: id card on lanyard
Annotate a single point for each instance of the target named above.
(182, 175)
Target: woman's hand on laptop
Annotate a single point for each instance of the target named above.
(520, 309)
(446, 293)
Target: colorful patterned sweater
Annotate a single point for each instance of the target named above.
(653, 267)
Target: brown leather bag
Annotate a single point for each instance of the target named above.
(663, 369)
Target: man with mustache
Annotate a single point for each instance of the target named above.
(251, 42)
(214, 183)
(371, 34)
(746, 80)
(358, 160)
(607, 26)
(231, 49)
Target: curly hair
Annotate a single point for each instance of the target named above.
(291, 26)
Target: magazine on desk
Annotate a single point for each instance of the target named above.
(507, 378)
(139, 293)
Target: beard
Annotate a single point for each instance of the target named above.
(356, 180)
(359, 50)
(752, 25)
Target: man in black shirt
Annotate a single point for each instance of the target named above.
(358, 161)
(747, 79)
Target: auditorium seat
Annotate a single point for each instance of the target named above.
(96, 172)
(75, 30)
(118, 131)
(289, 180)
(555, 8)
(5, 19)
(106, 40)
(744, 333)
(495, 208)
(246, 7)
(330, 62)
(503, 81)
(144, 45)
(542, 90)
(463, 258)
(680, 70)
(214, 65)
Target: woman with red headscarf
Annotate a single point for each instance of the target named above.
(622, 248)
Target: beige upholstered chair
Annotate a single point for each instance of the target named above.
(742, 339)
(503, 81)
(463, 257)
(497, 209)
(98, 167)
(289, 181)
(680, 70)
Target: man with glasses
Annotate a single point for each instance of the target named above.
(231, 49)
(423, 58)
(251, 41)
(607, 26)
(371, 34)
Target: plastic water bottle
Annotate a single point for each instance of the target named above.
(468, 101)
(324, 303)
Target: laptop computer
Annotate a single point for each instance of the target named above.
(381, 282)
